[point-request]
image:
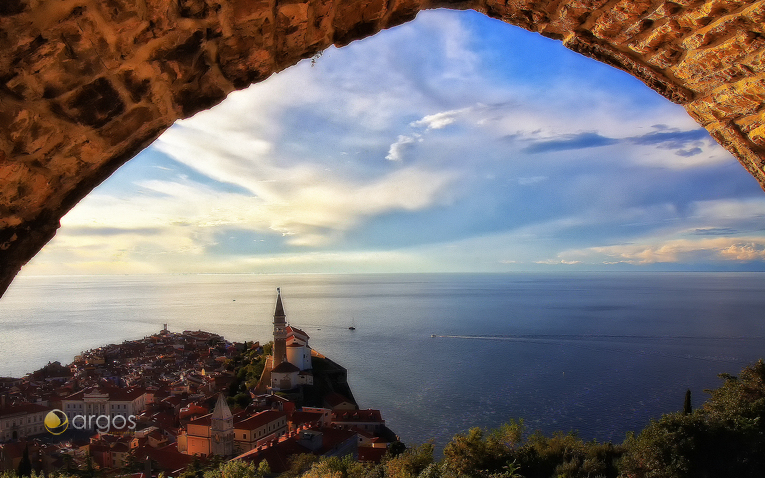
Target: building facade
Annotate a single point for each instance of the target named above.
(22, 421)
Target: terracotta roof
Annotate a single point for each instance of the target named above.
(23, 409)
(124, 394)
(357, 416)
(371, 455)
(259, 419)
(285, 367)
(298, 418)
(295, 331)
(334, 399)
(167, 457)
(333, 437)
(75, 396)
(205, 420)
(278, 454)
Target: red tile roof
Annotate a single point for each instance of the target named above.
(371, 455)
(298, 418)
(357, 416)
(285, 367)
(334, 399)
(259, 419)
(24, 408)
(278, 454)
(205, 420)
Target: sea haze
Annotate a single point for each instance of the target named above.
(598, 353)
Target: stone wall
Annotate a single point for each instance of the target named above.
(87, 84)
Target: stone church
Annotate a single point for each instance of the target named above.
(291, 353)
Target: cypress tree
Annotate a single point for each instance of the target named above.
(25, 465)
(687, 408)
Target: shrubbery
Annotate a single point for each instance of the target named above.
(723, 438)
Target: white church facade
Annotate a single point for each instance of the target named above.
(291, 353)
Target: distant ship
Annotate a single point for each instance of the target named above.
(353, 325)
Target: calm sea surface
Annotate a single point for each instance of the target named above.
(597, 353)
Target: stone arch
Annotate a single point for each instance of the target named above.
(87, 84)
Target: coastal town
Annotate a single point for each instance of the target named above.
(173, 401)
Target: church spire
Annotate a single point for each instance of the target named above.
(221, 410)
(280, 331)
(279, 307)
(222, 429)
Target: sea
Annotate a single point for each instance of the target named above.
(600, 354)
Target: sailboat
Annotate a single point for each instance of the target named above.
(353, 324)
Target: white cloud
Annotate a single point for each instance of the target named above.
(398, 149)
(438, 120)
(298, 158)
(556, 262)
(660, 250)
(725, 211)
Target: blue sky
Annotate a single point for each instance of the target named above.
(451, 143)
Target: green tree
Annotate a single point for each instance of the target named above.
(687, 407)
(472, 455)
(410, 463)
(25, 465)
(725, 437)
(334, 467)
(238, 469)
(299, 464)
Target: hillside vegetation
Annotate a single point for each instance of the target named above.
(723, 438)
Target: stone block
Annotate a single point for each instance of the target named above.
(707, 12)
(701, 111)
(246, 10)
(402, 11)
(665, 58)
(620, 17)
(757, 136)
(713, 80)
(128, 124)
(291, 27)
(715, 32)
(699, 64)
(573, 13)
(747, 124)
(13, 7)
(245, 60)
(357, 19)
(662, 35)
(94, 104)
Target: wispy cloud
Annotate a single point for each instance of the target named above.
(695, 146)
(399, 148)
(689, 251)
(438, 120)
(570, 141)
(434, 156)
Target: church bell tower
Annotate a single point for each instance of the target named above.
(280, 331)
(221, 429)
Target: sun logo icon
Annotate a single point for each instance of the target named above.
(56, 422)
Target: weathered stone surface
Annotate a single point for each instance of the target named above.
(87, 84)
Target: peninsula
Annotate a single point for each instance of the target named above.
(172, 400)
